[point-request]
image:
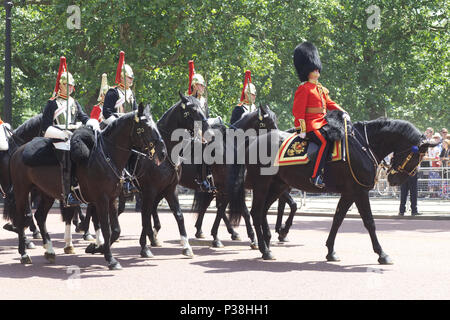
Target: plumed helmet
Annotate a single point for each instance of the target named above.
(128, 71)
(103, 87)
(197, 78)
(63, 79)
(250, 88)
(306, 60)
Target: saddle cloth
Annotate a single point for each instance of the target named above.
(297, 151)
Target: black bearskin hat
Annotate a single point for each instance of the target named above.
(306, 60)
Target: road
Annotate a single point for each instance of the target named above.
(419, 249)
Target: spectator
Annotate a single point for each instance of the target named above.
(444, 159)
(424, 174)
(434, 182)
(429, 133)
(410, 185)
(444, 133)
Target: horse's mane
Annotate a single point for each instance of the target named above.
(29, 128)
(401, 127)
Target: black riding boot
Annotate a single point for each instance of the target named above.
(69, 198)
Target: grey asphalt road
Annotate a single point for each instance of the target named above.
(419, 249)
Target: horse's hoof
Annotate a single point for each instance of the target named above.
(268, 256)
(385, 260)
(236, 237)
(115, 265)
(88, 237)
(283, 239)
(25, 259)
(200, 235)
(51, 257)
(217, 244)
(146, 253)
(188, 252)
(29, 244)
(155, 243)
(69, 250)
(90, 248)
(332, 257)
(37, 235)
(253, 245)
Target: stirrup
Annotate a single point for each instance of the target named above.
(317, 182)
(72, 201)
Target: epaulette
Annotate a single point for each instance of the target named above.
(52, 98)
(325, 90)
(240, 104)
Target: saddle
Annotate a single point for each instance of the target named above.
(297, 151)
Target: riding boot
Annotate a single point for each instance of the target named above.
(203, 183)
(69, 198)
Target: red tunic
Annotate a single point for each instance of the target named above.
(307, 97)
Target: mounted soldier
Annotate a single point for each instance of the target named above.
(197, 87)
(311, 103)
(248, 98)
(96, 112)
(120, 99)
(61, 114)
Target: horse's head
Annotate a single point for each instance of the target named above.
(146, 137)
(262, 118)
(406, 161)
(189, 115)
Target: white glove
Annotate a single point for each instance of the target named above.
(303, 135)
(346, 116)
(94, 124)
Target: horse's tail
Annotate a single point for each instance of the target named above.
(9, 206)
(236, 192)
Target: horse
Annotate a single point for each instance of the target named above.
(99, 173)
(158, 182)
(262, 118)
(369, 141)
(21, 135)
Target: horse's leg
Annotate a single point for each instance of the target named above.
(363, 205)
(44, 207)
(152, 232)
(114, 220)
(345, 202)
(36, 233)
(102, 209)
(68, 214)
(99, 241)
(21, 201)
(146, 205)
(221, 206)
(248, 225)
(174, 204)
(281, 206)
(200, 215)
(122, 202)
(283, 232)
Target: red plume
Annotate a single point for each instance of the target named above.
(247, 79)
(120, 66)
(191, 74)
(96, 111)
(62, 68)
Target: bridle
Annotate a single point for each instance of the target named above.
(401, 168)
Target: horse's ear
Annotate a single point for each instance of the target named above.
(141, 109)
(148, 109)
(260, 113)
(265, 109)
(425, 145)
(183, 97)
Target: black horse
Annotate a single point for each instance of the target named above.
(369, 142)
(99, 173)
(262, 118)
(158, 182)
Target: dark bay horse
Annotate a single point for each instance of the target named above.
(99, 172)
(158, 182)
(369, 142)
(262, 118)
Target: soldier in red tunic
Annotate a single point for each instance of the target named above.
(311, 103)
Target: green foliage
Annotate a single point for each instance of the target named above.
(399, 69)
